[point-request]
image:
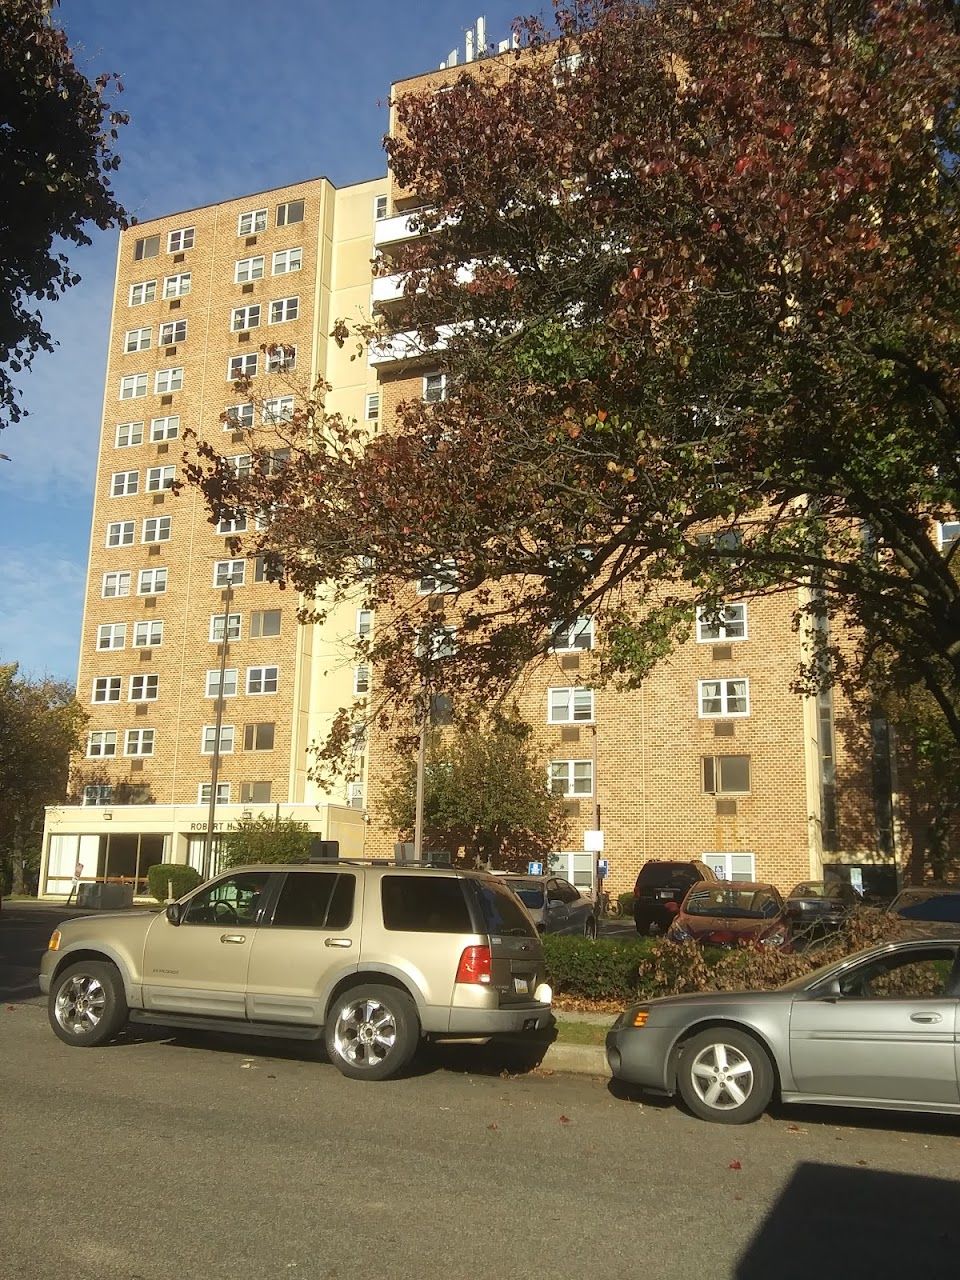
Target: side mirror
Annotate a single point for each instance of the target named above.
(174, 912)
(830, 991)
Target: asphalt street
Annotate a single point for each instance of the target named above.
(208, 1156)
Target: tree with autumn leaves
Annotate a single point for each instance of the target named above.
(693, 272)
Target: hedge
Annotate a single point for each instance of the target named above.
(165, 878)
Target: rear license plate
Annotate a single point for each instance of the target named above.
(664, 893)
(521, 986)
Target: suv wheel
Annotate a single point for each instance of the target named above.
(87, 1004)
(724, 1075)
(371, 1032)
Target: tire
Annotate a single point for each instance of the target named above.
(590, 928)
(737, 1097)
(371, 1032)
(615, 909)
(87, 1004)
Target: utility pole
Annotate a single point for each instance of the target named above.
(215, 769)
(421, 772)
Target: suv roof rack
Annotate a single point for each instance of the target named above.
(435, 863)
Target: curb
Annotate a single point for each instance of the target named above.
(576, 1059)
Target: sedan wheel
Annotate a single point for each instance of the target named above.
(372, 1032)
(87, 1004)
(724, 1075)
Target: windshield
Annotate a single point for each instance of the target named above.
(530, 892)
(812, 889)
(730, 904)
(908, 897)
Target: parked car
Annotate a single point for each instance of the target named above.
(730, 913)
(928, 902)
(821, 902)
(660, 888)
(877, 1029)
(556, 905)
(370, 957)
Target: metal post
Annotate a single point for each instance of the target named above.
(215, 770)
(421, 771)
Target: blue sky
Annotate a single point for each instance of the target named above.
(225, 97)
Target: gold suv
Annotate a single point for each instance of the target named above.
(373, 957)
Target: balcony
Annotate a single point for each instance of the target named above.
(390, 231)
(388, 289)
(391, 352)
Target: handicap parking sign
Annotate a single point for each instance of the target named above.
(534, 868)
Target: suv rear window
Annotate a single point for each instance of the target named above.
(656, 875)
(315, 900)
(502, 913)
(422, 904)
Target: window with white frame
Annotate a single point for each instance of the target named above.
(120, 533)
(165, 380)
(281, 360)
(177, 286)
(133, 386)
(437, 643)
(290, 212)
(100, 743)
(566, 66)
(262, 567)
(217, 622)
(157, 528)
(208, 741)
(287, 260)
(129, 433)
(571, 777)
(265, 622)
(165, 428)
(371, 406)
(144, 688)
(948, 532)
(380, 207)
(262, 680)
(251, 222)
(238, 417)
(441, 580)
(172, 332)
(434, 387)
(145, 291)
(227, 571)
(205, 788)
(147, 635)
(146, 247)
(107, 688)
(726, 622)
(361, 679)
(239, 463)
(124, 483)
(232, 524)
(180, 239)
(152, 582)
(364, 627)
(139, 742)
(137, 340)
(160, 478)
(358, 738)
(568, 636)
(247, 269)
(229, 683)
(277, 409)
(355, 795)
(115, 585)
(244, 366)
(732, 866)
(255, 792)
(724, 697)
(263, 518)
(569, 705)
(725, 775)
(282, 309)
(97, 794)
(245, 317)
(111, 635)
(259, 736)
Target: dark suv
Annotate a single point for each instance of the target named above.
(660, 888)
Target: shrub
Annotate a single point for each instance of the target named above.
(603, 970)
(179, 878)
(626, 901)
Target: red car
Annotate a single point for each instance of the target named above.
(729, 913)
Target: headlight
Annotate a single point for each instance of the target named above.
(775, 939)
(679, 933)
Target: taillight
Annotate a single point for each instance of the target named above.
(672, 907)
(474, 965)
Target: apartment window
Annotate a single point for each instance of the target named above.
(232, 624)
(263, 518)
(177, 286)
(282, 309)
(569, 706)
(239, 463)
(247, 269)
(146, 291)
(120, 533)
(179, 240)
(949, 532)
(152, 582)
(277, 409)
(205, 788)
(107, 688)
(364, 624)
(290, 212)
(139, 742)
(129, 433)
(137, 340)
(226, 571)
(165, 428)
(244, 366)
(232, 524)
(144, 688)
(239, 416)
(287, 260)
(258, 737)
(355, 795)
(208, 741)
(371, 406)
(249, 223)
(262, 679)
(727, 622)
(566, 66)
(255, 792)
(133, 386)
(437, 644)
(245, 317)
(100, 743)
(165, 380)
(361, 679)
(573, 635)
(282, 360)
(146, 635)
(124, 483)
(726, 775)
(571, 777)
(440, 581)
(229, 683)
(172, 332)
(157, 528)
(115, 584)
(732, 866)
(724, 697)
(112, 635)
(146, 247)
(264, 622)
(721, 540)
(435, 387)
(160, 478)
(380, 207)
(97, 794)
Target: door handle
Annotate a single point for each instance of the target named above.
(338, 942)
(233, 937)
(925, 1017)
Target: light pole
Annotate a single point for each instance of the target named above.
(215, 769)
(421, 772)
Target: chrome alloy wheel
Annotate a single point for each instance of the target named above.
(80, 1004)
(722, 1076)
(365, 1033)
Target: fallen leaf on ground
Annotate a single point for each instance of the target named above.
(734, 1164)
(493, 1126)
(564, 1119)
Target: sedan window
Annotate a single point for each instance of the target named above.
(909, 975)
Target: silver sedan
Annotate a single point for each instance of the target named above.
(878, 1029)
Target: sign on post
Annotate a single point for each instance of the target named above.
(603, 868)
(593, 842)
(534, 868)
